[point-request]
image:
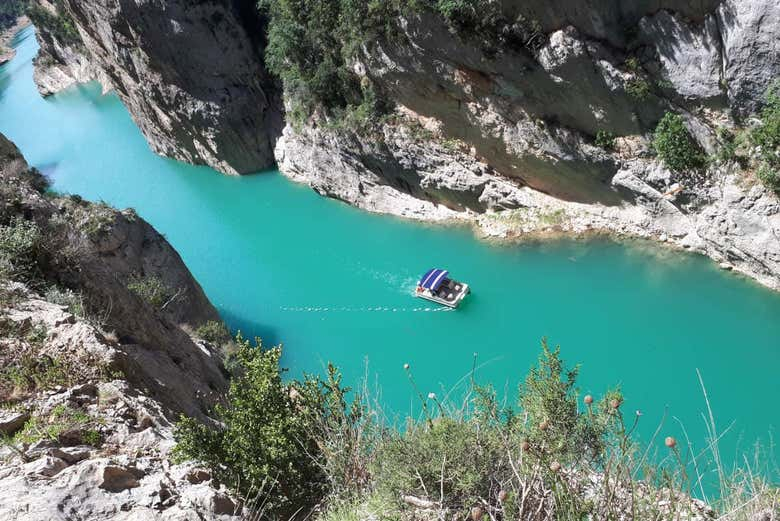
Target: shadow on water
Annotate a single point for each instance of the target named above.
(251, 329)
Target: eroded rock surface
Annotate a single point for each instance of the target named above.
(190, 73)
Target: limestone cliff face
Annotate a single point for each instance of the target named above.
(190, 73)
(525, 120)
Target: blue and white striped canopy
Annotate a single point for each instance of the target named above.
(433, 278)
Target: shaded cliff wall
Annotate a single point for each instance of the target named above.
(190, 73)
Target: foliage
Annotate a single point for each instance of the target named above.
(639, 89)
(58, 24)
(766, 137)
(770, 177)
(549, 399)
(61, 419)
(264, 442)
(605, 139)
(675, 146)
(214, 332)
(152, 290)
(309, 46)
(10, 10)
(72, 300)
(312, 45)
(21, 250)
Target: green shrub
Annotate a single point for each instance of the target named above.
(769, 177)
(675, 146)
(66, 297)
(152, 290)
(639, 89)
(214, 332)
(61, 419)
(10, 10)
(60, 25)
(21, 250)
(766, 137)
(605, 139)
(265, 441)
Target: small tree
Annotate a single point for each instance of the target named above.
(766, 138)
(264, 442)
(549, 399)
(675, 146)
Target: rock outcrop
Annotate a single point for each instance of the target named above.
(92, 383)
(190, 73)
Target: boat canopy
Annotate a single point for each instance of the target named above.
(433, 278)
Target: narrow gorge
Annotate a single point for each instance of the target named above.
(214, 216)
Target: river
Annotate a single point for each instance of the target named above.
(334, 283)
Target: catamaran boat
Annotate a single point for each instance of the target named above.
(437, 287)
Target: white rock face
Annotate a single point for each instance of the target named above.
(690, 54)
(751, 50)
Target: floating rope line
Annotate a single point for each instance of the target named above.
(365, 309)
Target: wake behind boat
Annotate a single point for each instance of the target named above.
(437, 287)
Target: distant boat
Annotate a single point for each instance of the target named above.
(437, 287)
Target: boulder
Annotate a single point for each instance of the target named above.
(751, 50)
(12, 421)
(46, 466)
(116, 479)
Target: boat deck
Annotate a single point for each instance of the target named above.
(449, 293)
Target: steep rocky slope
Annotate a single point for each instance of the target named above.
(190, 73)
(92, 371)
(502, 136)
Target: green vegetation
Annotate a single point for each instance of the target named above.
(62, 419)
(675, 146)
(766, 139)
(152, 290)
(290, 448)
(214, 332)
(21, 250)
(605, 140)
(311, 46)
(639, 89)
(266, 442)
(60, 25)
(10, 10)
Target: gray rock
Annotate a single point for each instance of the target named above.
(751, 50)
(690, 54)
(12, 421)
(213, 104)
(116, 479)
(47, 466)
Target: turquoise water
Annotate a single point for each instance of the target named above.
(270, 253)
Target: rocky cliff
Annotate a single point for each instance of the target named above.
(96, 361)
(506, 138)
(190, 73)
(499, 135)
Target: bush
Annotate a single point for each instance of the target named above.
(675, 146)
(153, 291)
(766, 137)
(214, 332)
(10, 10)
(60, 25)
(639, 89)
(264, 443)
(769, 177)
(605, 140)
(21, 250)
